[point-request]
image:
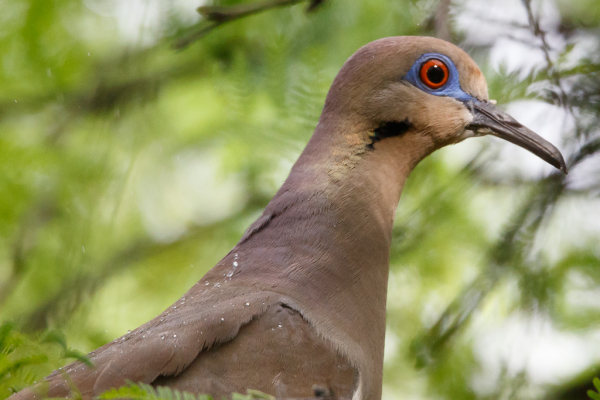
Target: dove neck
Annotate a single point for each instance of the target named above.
(334, 214)
(323, 242)
(352, 179)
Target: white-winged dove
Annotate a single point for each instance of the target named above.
(297, 308)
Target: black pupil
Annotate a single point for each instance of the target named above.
(435, 74)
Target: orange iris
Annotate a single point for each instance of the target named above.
(434, 73)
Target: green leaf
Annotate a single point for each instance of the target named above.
(54, 336)
(79, 356)
(593, 395)
(15, 365)
(131, 392)
(143, 391)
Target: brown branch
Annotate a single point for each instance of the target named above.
(104, 92)
(441, 20)
(215, 16)
(534, 23)
(221, 14)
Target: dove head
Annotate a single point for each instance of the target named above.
(426, 90)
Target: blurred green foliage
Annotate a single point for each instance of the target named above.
(147, 392)
(24, 358)
(129, 168)
(595, 395)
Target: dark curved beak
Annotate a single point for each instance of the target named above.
(489, 119)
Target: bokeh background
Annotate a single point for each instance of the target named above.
(138, 140)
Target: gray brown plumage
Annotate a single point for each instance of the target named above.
(297, 308)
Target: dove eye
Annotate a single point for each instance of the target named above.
(433, 73)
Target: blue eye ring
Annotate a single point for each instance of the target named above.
(451, 87)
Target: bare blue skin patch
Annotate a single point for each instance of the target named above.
(450, 89)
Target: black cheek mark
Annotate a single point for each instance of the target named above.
(321, 391)
(388, 129)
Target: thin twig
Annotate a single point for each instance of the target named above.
(441, 20)
(215, 16)
(534, 23)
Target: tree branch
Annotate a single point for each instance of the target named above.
(215, 16)
(441, 20)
